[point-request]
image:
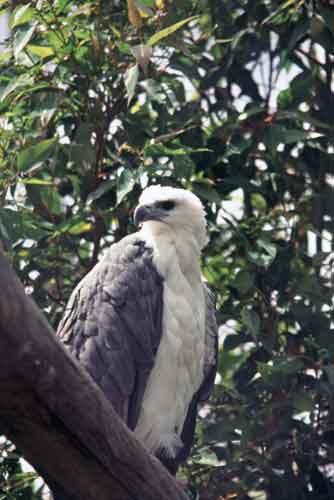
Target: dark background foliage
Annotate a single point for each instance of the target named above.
(99, 99)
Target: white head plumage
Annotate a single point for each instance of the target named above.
(187, 214)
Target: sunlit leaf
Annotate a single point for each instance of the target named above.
(36, 181)
(80, 228)
(283, 6)
(134, 14)
(269, 247)
(153, 90)
(41, 51)
(142, 53)
(208, 458)
(162, 150)
(22, 37)
(148, 3)
(5, 55)
(103, 188)
(22, 81)
(160, 35)
(126, 182)
(143, 7)
(21, 15)
(130, 79)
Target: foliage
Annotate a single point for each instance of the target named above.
(16, 483)
(229, 98)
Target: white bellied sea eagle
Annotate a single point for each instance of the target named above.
(142, 322)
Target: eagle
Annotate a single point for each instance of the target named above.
(142, 322)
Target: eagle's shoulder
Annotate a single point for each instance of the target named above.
(113, 323)
(125, 277)
(132, 254)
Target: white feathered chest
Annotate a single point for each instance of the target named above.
(178, 370)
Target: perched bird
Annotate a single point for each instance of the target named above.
(142, 322)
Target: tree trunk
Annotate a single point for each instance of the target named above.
(53, 411)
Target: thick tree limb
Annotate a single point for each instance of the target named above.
(53, 411)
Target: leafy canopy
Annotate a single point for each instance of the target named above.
(233, 100)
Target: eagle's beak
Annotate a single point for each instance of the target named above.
(146, 212)
(142, 213)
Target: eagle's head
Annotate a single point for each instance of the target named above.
(180, 209)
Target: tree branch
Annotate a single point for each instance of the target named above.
(53, 411)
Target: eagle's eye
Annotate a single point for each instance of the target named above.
(166, 205)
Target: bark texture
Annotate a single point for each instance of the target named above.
(53, 411)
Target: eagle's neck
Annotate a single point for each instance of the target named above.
(169, 244)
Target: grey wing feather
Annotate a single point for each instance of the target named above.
(113, 324)
(211, 345)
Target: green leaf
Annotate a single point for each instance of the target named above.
(289, 366)
(251, 321)
(103, 188)
(328, 16)
(142, 54)
(22, 81)
(269, 247)
(184, 167)
(145, 9)
(80, 228)
(266, 371)
(37, 182)
(263, 254)
(130, 80)
(22, 37)
(36, 153)
(244, 281)
(47, 197)
(207, 192)
(300, 135)
(147, 3)
(303, 402)
(298, 90)
(258, 201)
(282, 7)
(234, 340)
(207, 458)
(153, 90)
(277, 134)
(161, 150)
(41, 51)
(81, 149)
(123, 47)
(21, 15)
(126, 182)
(16, 225)
(299, 31)
(5, 55)
(160, 35)
(221, 431)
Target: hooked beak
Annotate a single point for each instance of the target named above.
(144, 213)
